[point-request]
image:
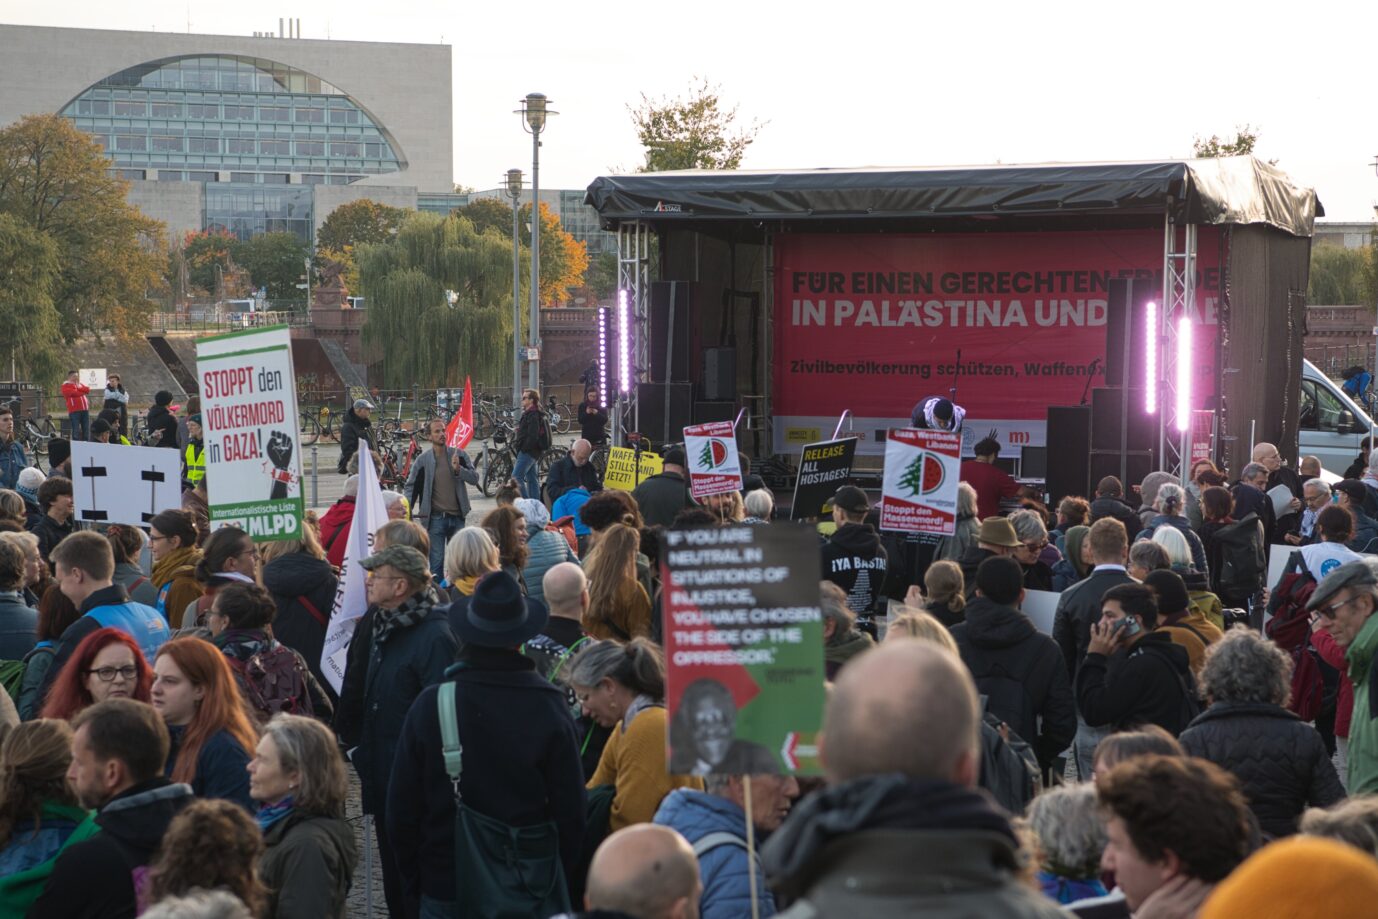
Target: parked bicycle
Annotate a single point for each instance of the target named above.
(317, 423)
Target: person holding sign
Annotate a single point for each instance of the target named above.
(78, 408)
(853, 557)
(437, 487)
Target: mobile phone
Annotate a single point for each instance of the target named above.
(1126, 624)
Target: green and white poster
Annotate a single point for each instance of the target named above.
(249, 422)
(743, 650)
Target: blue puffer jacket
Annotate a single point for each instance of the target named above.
(547, 549)
(723, 869)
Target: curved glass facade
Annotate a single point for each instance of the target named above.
(189, 118)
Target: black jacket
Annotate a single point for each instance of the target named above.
(528, 438)
(520, 766)
(1020, 671)
(1115, 509)
(565, 475)
(854, 560)
(94, 879)
(381, 681)
(1149, 682)
(1078, 609)
(50, 533)
(970, 561)
(885, 847)
(165, 423)
(1249, 500)
(296, 580)
(220, 771)
(661, 498)
(1279, 760)
(353, 430)
(593, 423)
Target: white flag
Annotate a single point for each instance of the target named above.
(351, 598)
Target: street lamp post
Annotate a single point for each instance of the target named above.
(514, 191)
(534, 111)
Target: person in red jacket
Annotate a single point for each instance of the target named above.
(338, 521)
(78, 409)
(1333, 654)
(990, 481)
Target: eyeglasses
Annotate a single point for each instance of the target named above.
(1036, 546)
(153, 539)
(108, 674)
(1333, 610)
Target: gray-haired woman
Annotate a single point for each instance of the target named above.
(1170, 504)
(298, 777)
(1071, 837)
(1280, 761)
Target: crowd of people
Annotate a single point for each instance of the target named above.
(173, 747)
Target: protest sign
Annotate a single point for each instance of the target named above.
(622, 473)
(922, 471)
(713, 464)
(823, 468)
(460, 430)
(351, 596)
(92, 377)
(249, 419)
(1201, 437)
(743, 649)
(1041, 607)
(112, 483)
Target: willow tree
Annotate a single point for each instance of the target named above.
(439, 299)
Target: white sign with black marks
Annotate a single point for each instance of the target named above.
(112, 483)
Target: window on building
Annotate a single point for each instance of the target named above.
(204, 110)
(167, 109)
(344, 116)
(344, 149)
(163, 144)
(311, 115)
(197, 176)
(93, 107)
(275, 178)
(131, 109)
(274, 113)
(310, 148)
(203, 145)
(169, 175)
(240, 145)
(131, 142)
(275, 147)
(239, 113)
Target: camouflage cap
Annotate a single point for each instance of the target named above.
(404, 558)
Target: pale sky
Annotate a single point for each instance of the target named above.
(864, 82)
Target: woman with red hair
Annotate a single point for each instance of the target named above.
(195, 691)
(106, 665)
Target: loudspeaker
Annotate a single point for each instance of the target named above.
(1033, 463)
(714, 411)
(669, 321)
(1109, 415)
(660, 427)
(1127, 337)
(719, 374)
(1129, 468)
(1068, 451)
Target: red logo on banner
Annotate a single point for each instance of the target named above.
(461, 429)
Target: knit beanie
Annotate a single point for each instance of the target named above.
(1000, 578)
(30, 477)
(162, 397)
(1171, 591)
(59, 451)
(1298, 877)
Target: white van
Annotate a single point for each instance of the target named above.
(1331, 423)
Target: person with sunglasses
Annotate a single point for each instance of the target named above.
(1345, 601)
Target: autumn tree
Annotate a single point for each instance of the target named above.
(359, 222)
(493, 214)
(54, 180)
(1245, 138)
(276, 261)
(563, 258)
(439, 303)
(694, 132)
(208, 256)
(30, 272)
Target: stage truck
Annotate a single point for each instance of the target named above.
(857, 292)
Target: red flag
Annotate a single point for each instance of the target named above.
(461, 429)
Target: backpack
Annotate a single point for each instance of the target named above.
(543, 432)
(1290, 629)
(1009, 769)
(272, 681)
(1243, 562)
(565, 527)
(1191, 701)
(12, 677)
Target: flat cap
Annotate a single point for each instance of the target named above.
(404, 558)
(1363, 573)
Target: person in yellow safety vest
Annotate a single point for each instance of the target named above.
(194, 457)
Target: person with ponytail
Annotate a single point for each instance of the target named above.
(623, 687)
(172, 544)
(1170, 501)
(39, 812)
(195, 692)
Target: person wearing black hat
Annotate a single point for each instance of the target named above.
(60, 457)
(162, 424)
(1184, 625)
(853, 557)
(401, 645)
(194, 457)
(520, 760)
(661, 497)
(356, 427)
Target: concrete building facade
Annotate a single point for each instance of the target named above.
(245, 134)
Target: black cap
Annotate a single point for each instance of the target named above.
(1000, 578)
(162, 397)
(675, 456)
(851, 499)
(1355, 489)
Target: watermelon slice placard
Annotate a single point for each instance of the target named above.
(919, 493)
(714, 467)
